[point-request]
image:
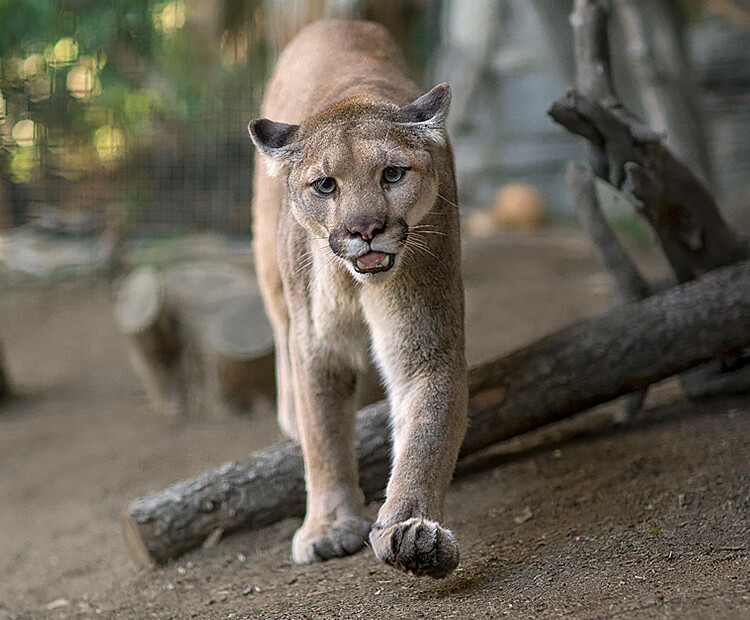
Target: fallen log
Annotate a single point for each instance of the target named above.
(588, 363)
(199, 339)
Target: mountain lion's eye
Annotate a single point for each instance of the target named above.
(393, 174)
(325, 186)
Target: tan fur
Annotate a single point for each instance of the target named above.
(342, 107)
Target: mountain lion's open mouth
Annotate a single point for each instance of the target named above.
(373, 262)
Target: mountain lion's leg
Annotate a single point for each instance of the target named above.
(334, 521)
(428, 394)
(267, 201)
(287, 414)
(428, 433)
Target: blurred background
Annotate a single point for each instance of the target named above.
(125, 120)
(123, 144)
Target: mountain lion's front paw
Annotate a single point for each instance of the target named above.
(320, 542)
(416, 546)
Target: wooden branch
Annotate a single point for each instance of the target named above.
(588, 363)
(729, 376)
(199, 339)
(681, 210)
(589, 20)
(594, 79)
(629, 284)
(658, 62)
(740, 15)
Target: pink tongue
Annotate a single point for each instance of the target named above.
(372, 258)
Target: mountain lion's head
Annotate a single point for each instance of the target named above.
(361, 174)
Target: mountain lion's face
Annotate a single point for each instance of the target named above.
(363, 185)
(360, 175)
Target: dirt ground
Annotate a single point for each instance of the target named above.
(584, 519)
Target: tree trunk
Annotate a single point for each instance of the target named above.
(470, 31)
(554, 16)
(594, 79)
(241, 345)
(629, 284)
(199, 339)
(656, 54)
(591, 362)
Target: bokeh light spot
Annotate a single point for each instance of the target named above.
(169, 16)
(24, 165)
(65, 52)
(80, 81)
(110, 144)
(24, 133)
(33, 65)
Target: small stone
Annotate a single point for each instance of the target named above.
(526, 515)
(57, 604)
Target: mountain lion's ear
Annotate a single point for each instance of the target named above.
(428, 113)
(275, 142)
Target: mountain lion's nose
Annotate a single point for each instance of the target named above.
(365, 226)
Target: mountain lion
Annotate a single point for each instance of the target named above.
(357, 253)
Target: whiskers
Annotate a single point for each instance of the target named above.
(418, 244)
(307, 259)
(450, 202)
(427, 229)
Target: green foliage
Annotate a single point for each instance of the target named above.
(23, 21)
(98, 77)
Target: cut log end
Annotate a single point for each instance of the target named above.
(241, 331)
(135, 542)
(139, 301)
(199, 339)
(201, 288)
(240, 343)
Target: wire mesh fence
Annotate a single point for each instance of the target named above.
(132, 114)
(195, 179)
(129, 114)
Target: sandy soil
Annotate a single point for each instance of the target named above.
(584, 519)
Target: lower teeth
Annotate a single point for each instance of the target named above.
(385, 264)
